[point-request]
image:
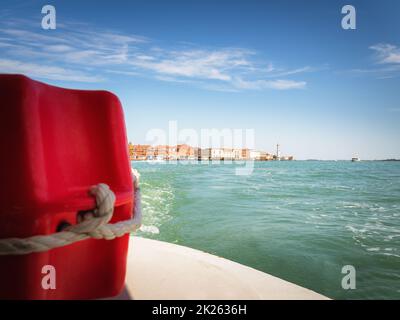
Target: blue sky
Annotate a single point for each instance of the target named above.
(283, 68)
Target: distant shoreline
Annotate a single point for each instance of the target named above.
(257, 160)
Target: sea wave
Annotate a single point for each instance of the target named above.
(149, 229)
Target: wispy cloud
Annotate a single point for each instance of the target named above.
(387, 62)
(74, 53)
(201, 64)
(46, 71)
(387, 53)
(283, 73)
(269, 84)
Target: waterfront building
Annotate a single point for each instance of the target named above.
(216, 153)
(237, 154)
(130, 150)
(185, 152)
(205, 154)
(265, 156)
(255, 155)
(286, 158)
(227, 154)
(138, 152)
(197, 153)
(245, 154)
(165, 152)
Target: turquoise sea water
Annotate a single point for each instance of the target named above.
(301, 221)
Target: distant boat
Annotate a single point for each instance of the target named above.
(356, 159)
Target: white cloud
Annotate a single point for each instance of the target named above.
(45, 71)
(59, 48)
(286, 84)
(269, 84)
(40, 39)
(202, 64)
(387, 62)
(275, 73)
(387, 53)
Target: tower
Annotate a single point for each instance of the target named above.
(277, 151)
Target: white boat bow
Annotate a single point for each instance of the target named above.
(161, 270)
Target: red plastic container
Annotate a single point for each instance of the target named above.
(55, 143)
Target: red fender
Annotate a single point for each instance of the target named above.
(55, 143)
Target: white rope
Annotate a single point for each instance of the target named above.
(91, 225)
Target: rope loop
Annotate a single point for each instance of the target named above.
(93, 224)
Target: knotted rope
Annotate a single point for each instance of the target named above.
(92, 225)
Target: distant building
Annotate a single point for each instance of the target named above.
(205, 154)
(165, 152)
(265, 156)
(245, 154)
(130, 150)
(186, 152)
(255, 155)
(216, 153)
(220, 153)
(138, 152)
(227, 154)
(237, 154)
